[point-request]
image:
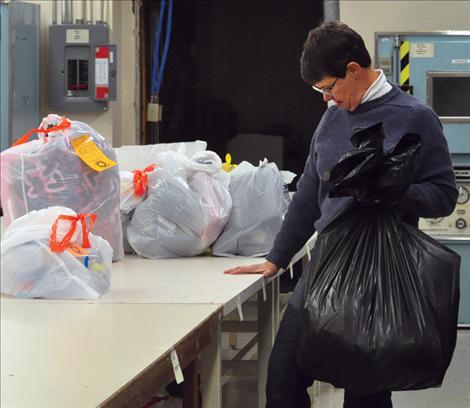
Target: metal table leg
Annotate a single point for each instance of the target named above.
(266, 333)
(211, 372)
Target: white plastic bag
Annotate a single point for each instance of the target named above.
(132, 157)
(134, 187)
(187, 207)
(180, 165)
(31, 269)
(125, 221)
(129, 199)
(48, 172)
(259, 204)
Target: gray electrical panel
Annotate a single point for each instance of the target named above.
(82, 68)
(19, 70)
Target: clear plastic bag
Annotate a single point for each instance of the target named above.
(139, 156)
(180, 165)
(77, 267)
(187, 207)
(134, 187)
(48, 172)
(125, 221)
(129, 200)
(259, 204)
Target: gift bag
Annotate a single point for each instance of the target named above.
(260, 201)
(381, 299)
(64, 167)
(52, 254)
(187, 207)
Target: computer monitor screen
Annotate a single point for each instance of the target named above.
(451, 95)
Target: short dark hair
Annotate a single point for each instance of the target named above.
(329, 48)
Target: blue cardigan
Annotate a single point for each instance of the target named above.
(433, 193)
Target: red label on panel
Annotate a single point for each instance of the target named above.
(102, 52)
(102, 92)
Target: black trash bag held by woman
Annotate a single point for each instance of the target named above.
(381, 300)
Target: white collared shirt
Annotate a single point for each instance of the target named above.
(378, 88)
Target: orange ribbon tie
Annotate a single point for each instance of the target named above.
(64, 124)
(141, 179)
(86, 228)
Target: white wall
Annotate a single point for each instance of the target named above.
(114, 124)
(124, 119)
(370, 16)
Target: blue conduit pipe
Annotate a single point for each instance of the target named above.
(167, 45)
(156, 50)
(159, 67)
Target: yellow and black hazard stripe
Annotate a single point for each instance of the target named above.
(405, 67)
(404, 63)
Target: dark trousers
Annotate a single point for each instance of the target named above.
(287, 384)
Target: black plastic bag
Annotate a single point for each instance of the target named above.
(381, 300)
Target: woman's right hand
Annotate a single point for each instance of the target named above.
(267, 269)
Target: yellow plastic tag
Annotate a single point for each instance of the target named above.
(87, 150)
(228, 166)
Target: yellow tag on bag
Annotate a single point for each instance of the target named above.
(87, 150)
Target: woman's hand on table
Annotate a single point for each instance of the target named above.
(267, 269)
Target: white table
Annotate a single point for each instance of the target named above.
(88, 354)
(201, 280)
(194, 281)
(183, 280)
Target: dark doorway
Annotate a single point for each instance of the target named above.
(233, 68)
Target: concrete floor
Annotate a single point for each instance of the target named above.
(241, 390)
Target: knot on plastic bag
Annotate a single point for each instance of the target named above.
(87, 221)
(263, 163)
(369, 175)
(63, 124)
(141, 179)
